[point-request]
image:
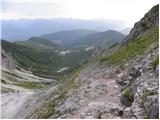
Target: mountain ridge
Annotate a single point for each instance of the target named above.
(101, 38)
(16, 30)
(38, 43)
(65, 37)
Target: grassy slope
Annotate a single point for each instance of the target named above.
(106, 38)
(17, 80)
(38, 43)
(133, 49)
(44, 62)
(38, 61)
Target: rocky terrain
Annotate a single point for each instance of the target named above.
(150, 20)
(140, 84)
(120, 83)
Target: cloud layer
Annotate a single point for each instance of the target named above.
(128, 11)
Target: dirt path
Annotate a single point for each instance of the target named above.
(98, 95)
(108, 100)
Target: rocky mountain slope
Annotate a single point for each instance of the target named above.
(121, 84)
(150, 20)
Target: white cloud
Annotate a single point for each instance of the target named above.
(129, 11)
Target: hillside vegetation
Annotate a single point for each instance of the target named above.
(44, 62)
(38, 43)
(137, 47)
(105, 39)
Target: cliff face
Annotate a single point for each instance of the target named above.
(150, 20)
(140, 80)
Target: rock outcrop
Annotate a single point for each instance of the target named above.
(6, 60)
(150, 20)
(140, 80)
(152, 106)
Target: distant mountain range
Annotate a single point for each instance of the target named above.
(66, 37)
(74, 39)
(23, 29)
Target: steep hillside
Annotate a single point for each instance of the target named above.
(66, 37)
(150, 20)
(40, 62)
(38, 43)
(105, 39)
(135, 48)
(43, 61)
(138, 74)
(123, 83)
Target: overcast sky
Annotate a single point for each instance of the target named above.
(128, 11)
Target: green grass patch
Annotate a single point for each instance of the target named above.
(137, 47)
(6, 90)
(47, 110)
(128, 94)
(13, 74)
(3, 81)
(25, 84)
(29, 85)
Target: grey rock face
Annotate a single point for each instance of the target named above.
(157, 71)
(6, 60)
(152, 106)
(120, 79)
(150, 20)
(142, 79)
